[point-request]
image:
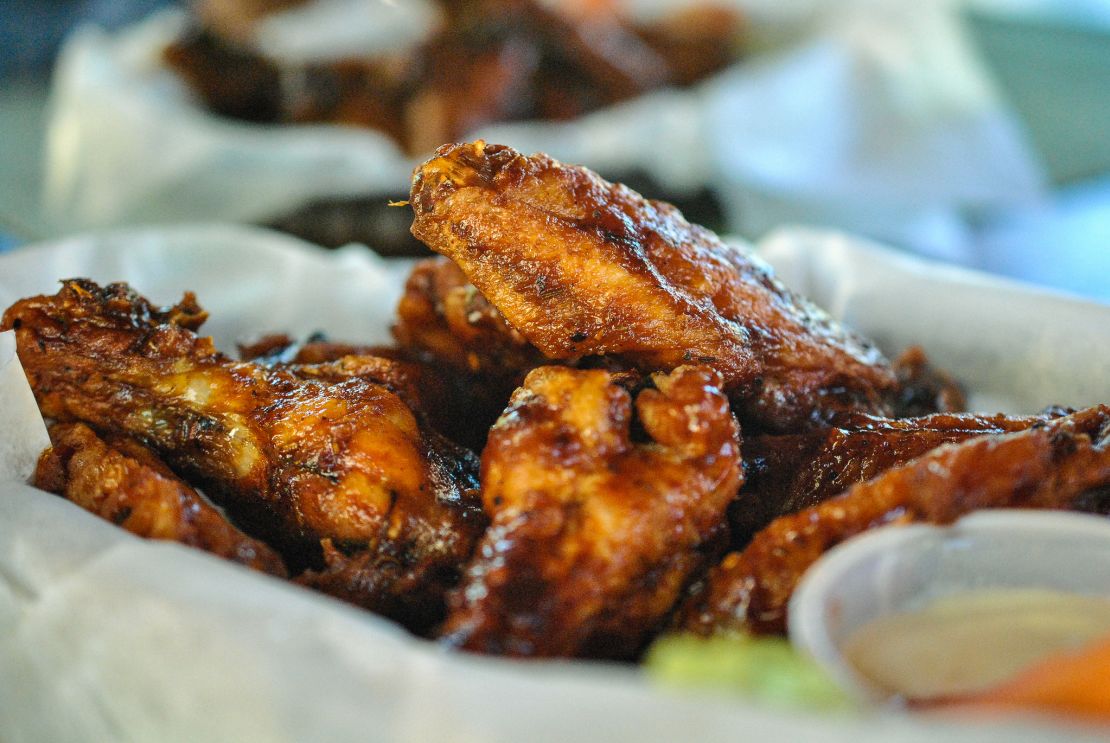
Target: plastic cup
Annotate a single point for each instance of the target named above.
(896, 569)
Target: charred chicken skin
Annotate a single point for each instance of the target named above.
(1059, 464)
(923, 389)
(579, 266)
(123, 482)
(294, 459)
(595, 532)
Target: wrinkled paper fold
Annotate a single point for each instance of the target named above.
(19, 451)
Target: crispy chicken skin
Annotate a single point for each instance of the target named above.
(1060, 464)
(294, 459)
(594, 534)
(441, 314)
(866, 447)
(459, 406)
(450, 328)
(123, 482)
(785, 473)
(579, 266)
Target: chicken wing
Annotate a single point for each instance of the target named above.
(785, 473)
(595, 531)
(123, 482)
(442, 315)
(455, 402)
(579, 266)
(446, 324)
(1060, 464)
(294, 459)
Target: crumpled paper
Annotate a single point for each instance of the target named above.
(870, 115)
(18, 453)
(104, 636)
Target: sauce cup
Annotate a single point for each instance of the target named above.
(903, 569)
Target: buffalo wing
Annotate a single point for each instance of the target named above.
(785, 473)
(1059, 464)
(294, 459)
(596, 530)
(123, 482)
(579, 266)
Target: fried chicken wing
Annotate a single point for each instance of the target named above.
(294, 459)
(456, 403)
(480, 73)
(594, 534)
(867, 447)
(785, 473)
(1059, 464)
(445, 323)
(418, 383)
(695, 40)
(579, 266)
(483, 61)
(123, 482)
(441, 314)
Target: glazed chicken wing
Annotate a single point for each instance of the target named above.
(1060, 464)
(294, 459)
(443, 316)
(123, 482)
(785, 473)
(595, 531)
(457, 405)
(447, 324)
(579, 266)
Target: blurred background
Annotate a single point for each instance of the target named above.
(971, 132)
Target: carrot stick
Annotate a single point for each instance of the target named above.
(1073, 682)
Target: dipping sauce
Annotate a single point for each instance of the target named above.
(972, 641)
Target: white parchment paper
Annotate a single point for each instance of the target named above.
(20, 451)
(104, 636)
(873, 115)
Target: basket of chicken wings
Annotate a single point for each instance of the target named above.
(597, 425)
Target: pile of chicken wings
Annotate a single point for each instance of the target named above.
(481, 62)
(598, 423)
